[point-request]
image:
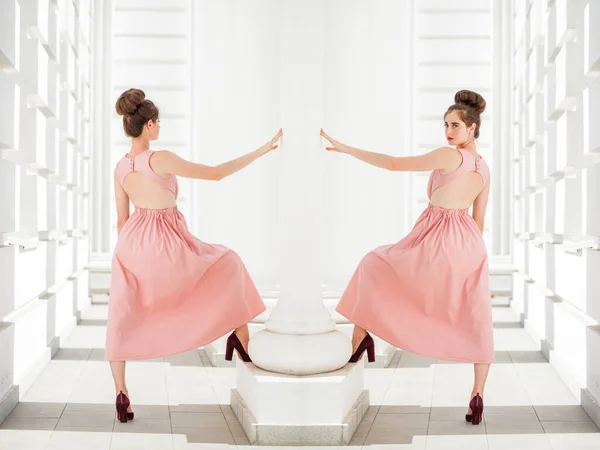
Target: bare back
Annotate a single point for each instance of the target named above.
(460, 188)
(144, 187)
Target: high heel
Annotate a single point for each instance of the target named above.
(122, 404)
(366, 344)
(234, 343)
(476, 405)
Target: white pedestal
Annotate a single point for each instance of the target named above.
(278, 409)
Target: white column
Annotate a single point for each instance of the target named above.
(235, 109)
(299, 337)
(324, 405)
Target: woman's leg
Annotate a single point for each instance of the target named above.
(481, 374)
(118, 372)
(243, 335)
(358, 334)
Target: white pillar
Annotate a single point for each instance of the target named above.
(324, 405)
(300, 337)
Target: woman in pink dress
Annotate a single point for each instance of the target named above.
(169, 292)
(429, 293)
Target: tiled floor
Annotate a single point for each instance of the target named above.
(182, 403)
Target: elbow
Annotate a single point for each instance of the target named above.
(391, 165)
(217, 174)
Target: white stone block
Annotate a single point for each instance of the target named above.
(67, 67)
(593, 366)
(535, 318)
(10, 32)
(30, 273)
(537, 23)
(30, 339)
(64, 310)
(535, 122)
(591, 191)
(67, 116)
(9, 181)
(562, 144)
(592, 288)
(7, 354)
(570, 352)
(562, 98)
(591, 40)
(42, 203)
(592, 118)
(35, 69)
(536, 70)
(52, 80)
(33, 139)
(561, 29)
(85, 25)
(37, 15)
(326, 410)
(10, 109)
(571, 279)
(67, 18)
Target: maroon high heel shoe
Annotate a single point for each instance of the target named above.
(476, 405)
(234, 343)
(366, 344)
(122, 404)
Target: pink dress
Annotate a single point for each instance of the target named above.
(169, 291)
(429, 293)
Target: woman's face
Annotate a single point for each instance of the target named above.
(153, 129)
(457, 132)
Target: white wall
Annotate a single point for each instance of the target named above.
(556, 184)
(45, 54)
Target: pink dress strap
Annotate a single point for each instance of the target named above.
(469, 163)
(141, 163)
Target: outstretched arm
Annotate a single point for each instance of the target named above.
(440, 158)
(169, 163)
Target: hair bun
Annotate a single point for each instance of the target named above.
(470, 99)
(130, 101)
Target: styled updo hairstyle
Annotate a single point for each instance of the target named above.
(136, 111)
(470, 105)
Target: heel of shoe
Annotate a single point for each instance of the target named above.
(228, 352)
(476, 406)
(122, 404)
(371, 353)
(233, 343)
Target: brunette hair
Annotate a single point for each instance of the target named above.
(136, 111)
